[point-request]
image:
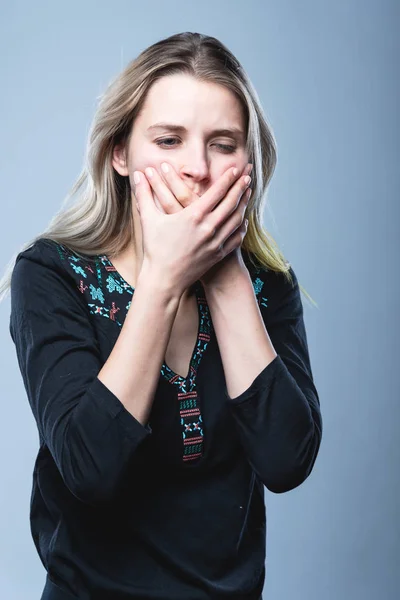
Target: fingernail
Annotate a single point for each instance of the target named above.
(165, 167)
(249, 168)
(136, 177)
(149, 172)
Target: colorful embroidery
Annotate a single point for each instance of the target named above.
(189, 409)
(78, 270)
(192, 431)
(113, 285)
(110, 302)
(96, 293)
(258, 286)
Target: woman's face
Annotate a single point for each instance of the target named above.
(179, 124)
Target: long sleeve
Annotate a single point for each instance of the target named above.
(278, 417)
(88, 431)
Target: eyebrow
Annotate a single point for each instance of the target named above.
(235, 132)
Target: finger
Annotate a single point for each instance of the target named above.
(156, 202)
(144, 196)
(248, 169)
(235, 240)
(165, 196)
(178, 187)
(234, 221)
(231, 202)
(213, 196)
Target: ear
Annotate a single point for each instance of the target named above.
(119, 161)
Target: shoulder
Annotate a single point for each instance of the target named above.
(50, 253)
(272, 288)
(35, 261)
(53, 255)
(42, 251)
(46, 264)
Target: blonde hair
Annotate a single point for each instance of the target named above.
(100, 221)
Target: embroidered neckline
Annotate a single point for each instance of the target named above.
(185, 384)
(189, 403)
(191, 420)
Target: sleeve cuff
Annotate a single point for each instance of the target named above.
(109, 402)
(261, 382)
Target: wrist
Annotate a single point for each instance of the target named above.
(158, 282)
(228, 280)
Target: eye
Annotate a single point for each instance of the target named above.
(164, 141)
(223, 147)
(226, 148)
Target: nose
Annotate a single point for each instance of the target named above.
(196, 175)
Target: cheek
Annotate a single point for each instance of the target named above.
(140, 163)
(238, 160)
(142, 155)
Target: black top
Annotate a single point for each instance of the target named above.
(172, 510)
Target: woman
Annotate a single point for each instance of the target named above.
(162, 344)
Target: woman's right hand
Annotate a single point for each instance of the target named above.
(183, 245)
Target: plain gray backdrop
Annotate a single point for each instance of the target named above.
(326, 76)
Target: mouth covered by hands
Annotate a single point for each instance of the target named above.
(225, 201)
(171, 193)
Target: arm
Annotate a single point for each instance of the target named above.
(132, 370)
(91, 416)
(270, 386)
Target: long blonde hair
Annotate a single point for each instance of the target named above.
(100, 221)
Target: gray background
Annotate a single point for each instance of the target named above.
(325, 73)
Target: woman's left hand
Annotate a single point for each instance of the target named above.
(173, 194)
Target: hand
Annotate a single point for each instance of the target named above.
(172, 195)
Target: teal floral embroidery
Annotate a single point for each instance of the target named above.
(112, 285)
(96, 293)
(258, 286)
(78, 270)
(117, 282)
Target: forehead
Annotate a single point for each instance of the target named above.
(183, 99)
